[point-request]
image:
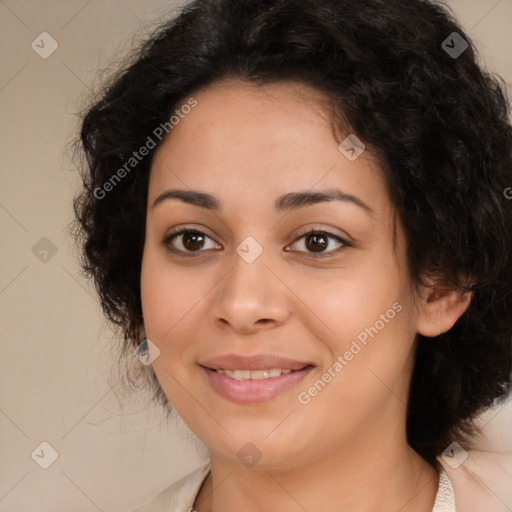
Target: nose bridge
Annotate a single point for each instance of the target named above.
(251, 294)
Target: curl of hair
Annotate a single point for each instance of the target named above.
(439, 126)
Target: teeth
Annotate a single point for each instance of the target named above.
(254, 375)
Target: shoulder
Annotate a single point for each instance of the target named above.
(481, 476)
(179, 496)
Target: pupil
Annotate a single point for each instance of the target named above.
(316, 244)
(192, 244)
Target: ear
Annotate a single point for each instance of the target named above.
(439, 308)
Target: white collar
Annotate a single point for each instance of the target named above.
(180, 496)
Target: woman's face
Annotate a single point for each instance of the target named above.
(254, 291)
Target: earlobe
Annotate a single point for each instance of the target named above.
(440, 308)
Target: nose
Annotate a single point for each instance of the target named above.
(251, 297)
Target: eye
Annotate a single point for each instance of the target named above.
(188, 241)
(316, 242)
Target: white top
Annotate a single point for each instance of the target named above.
(180, 496)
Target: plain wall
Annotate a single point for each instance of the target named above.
(56, 355)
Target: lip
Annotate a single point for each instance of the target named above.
(253, 391)
(255, 362)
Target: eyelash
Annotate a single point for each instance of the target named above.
(187, 254)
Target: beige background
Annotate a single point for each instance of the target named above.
(56, 356)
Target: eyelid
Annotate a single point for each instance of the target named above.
(309, 231)
(328, 234)
(174, 233)
(314, 228)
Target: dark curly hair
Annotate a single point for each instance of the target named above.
(438, 123)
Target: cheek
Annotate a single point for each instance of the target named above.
(167, 295)
(162, 297)
(166, 291)
(371, 326)
(353, 301)
(173, 297)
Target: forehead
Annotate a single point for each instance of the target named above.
(262, 141)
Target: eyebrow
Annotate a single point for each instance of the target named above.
(284, 203)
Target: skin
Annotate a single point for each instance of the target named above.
(346, 449)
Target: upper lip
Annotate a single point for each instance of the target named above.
(255, 362)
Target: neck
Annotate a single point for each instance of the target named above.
(364, 477)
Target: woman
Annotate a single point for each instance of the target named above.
(299, 210)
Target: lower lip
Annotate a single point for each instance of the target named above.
(254, 391)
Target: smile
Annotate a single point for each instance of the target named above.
(254, 375)
(253, 379)
(252, 387)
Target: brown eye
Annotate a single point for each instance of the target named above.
(188, 241)
(318, 241)
(193, 241)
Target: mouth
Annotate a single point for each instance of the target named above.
(254, 379)
(255, 375)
